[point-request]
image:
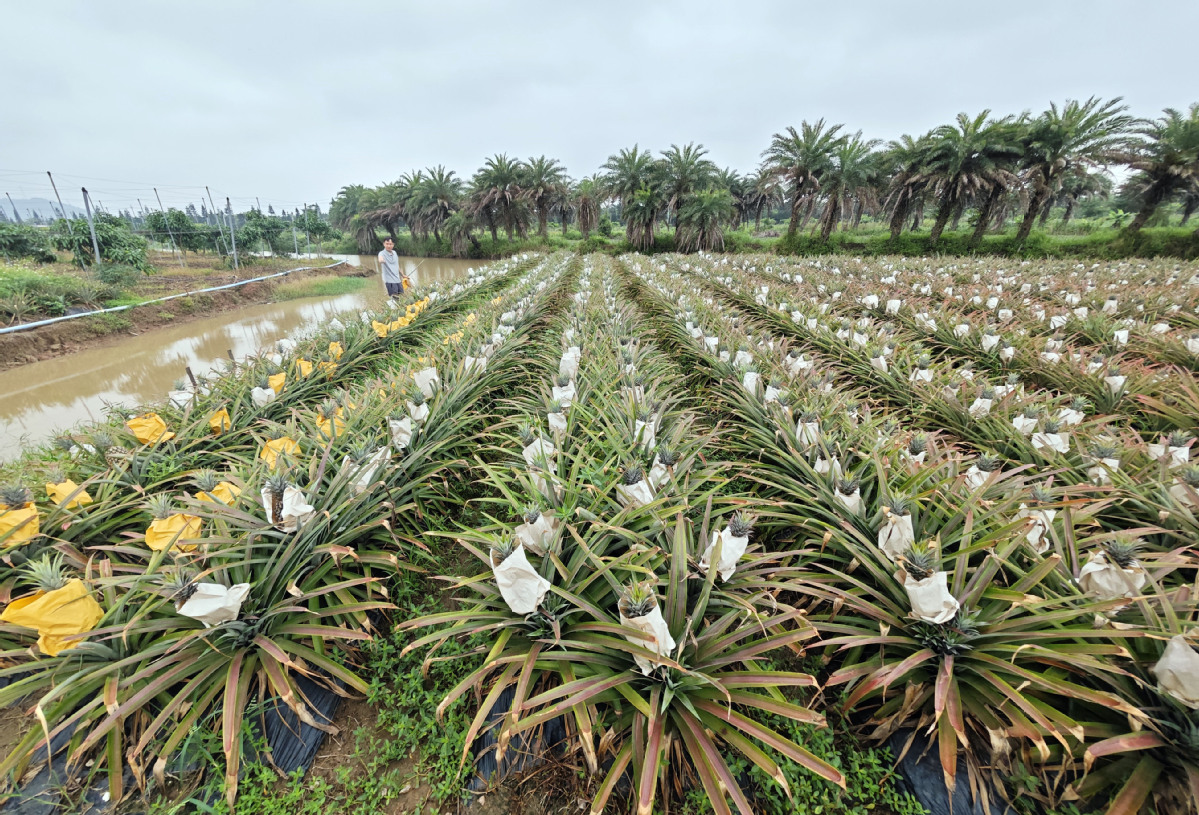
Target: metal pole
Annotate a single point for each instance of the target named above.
(307, 236)
(294, 239)
(87, 205)
(216, 216)
(70, 229)
(166, 220)
(14, 209)
(259, 203)
(232, 224)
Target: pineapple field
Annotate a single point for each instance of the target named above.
(667, 522)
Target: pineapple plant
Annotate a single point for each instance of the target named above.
(361, 451)
(206, 480)
(1051, 426)
(416, 396)
(1041, 495)
(988, 463)
(562, 380)
(178, 586)
(531, 513)
(918, 444)
(923, 362)
(1190, 477)
(848, 486)
(632, 473)
(987, 393)
(637, 600)
(740, 525)
(919, 560)
(1103, 449)
(1177, 438)
(275, 485)
(553, 406)
(1122, 551)
(1080, 404)
(526, 434)
(160, 506)
(15, 496)
(667, 455)
(503, 549)
(900, 505)
(45, 574)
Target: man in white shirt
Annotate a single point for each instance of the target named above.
(389, 265)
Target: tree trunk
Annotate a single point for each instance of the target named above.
(984, 217)
(832, 208)
(1045, 210)
(1069, 210)
(794, 223)
(543, 223)
(857, 215)
(758, 218)
(899, 216)
(563, 216)
(1158, 191)
(957, 216)
(1030, 214)
(807, 213)
(943, 213)
(437, 235)
(1188, 208)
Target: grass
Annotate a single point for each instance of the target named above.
(319, 286)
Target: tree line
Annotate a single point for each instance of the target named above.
(995, 167)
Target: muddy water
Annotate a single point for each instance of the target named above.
(43, 398)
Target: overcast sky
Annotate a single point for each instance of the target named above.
(289, 101)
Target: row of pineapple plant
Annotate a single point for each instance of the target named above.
(228, 594)
(981, 538)
(619, 587)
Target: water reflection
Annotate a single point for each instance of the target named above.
(40, 399)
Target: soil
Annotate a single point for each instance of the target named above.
(69, 336)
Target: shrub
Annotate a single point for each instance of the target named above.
(21, 241)
(118, 275)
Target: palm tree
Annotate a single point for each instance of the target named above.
(627, 172)
(970, 161)
(588, 194)
(434, 199)
(1080, 134)
(1077, 185)
(496, 194)
(544, 179)
(684, 171)
(762, 193)
(349, 212)
(801, 159)
(641, 217)
(851, 175)
(1168, 160)
(458, 228)
(701, 221)
(738, 187)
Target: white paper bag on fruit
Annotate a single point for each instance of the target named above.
(980, 407)
(1039, 522)
(401, 432)
(1105, 580)
(1053, 441)
(520, 585)
(214, 603)
(645, 434)
(732, 547)
(537, 536)
(260, 396)
(296, 510)
(896, 534)
(557, 424)
(852, 502)
(565, 395)
(635, 495)
(1025, 424)
(540, 453)
(427, 380)
(989, 341)
(1100, 473)
(1177, 672)
(363, 475)
(930, 597)
(1172, 457)
(419, 413)
(654, 635)
(1070, 416)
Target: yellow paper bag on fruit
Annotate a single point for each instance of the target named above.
(169, 531)
(57, 615)
(22, 522)
(381, 329)
(335, 350)
(149, 428)
(327, 368)
(219, 422)
(305, 367)
(277, 381)
(272, 449)
(224, 492)
(331, 427)
(65, 491)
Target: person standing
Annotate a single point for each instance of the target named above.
(389, 266)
